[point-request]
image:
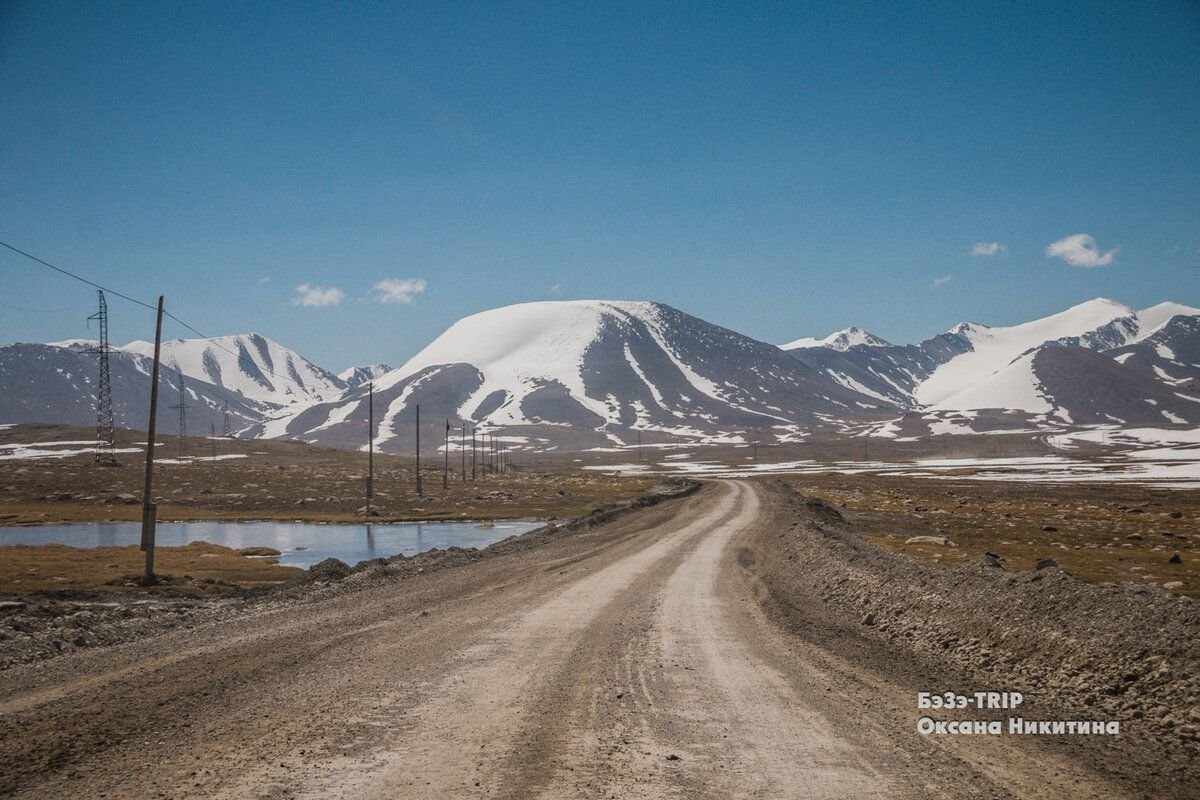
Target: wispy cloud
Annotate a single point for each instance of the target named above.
(556, 289)
(989, 249)
(309, 295)
(1080, 250)
(398, 290)
(942, 281)
(262, 280)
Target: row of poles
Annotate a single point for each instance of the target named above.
(489, 454)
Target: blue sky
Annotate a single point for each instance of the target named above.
(781, 169)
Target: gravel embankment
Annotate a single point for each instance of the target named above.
(1082, 651)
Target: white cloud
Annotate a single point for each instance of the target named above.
(1080, 251)
(398, 290)
(556, 289)
(942, 281)
(989, 249)
(308, 295)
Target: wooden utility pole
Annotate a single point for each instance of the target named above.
(370, 445)
(462, 447)
(419, 492)
(473, 458)
(446, 459)
(149, 510)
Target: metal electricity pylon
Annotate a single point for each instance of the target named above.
(106, 444)
(182, 406)
(225, 430)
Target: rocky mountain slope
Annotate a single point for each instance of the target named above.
(598, 374)
(50, 383)
(357, 376)
(1097, 362)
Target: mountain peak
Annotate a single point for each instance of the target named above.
(843, 340)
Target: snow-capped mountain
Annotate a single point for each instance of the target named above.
(252, 365)
(1097, 362)
(593, 371)
(842, 340)
(1076, 385)
(57, 384)
(360, 376)
(993, 349)
(583, 374)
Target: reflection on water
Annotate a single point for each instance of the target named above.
(302, 543)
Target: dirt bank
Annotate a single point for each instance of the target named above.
(1077, 650)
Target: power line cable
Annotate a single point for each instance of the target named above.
(239, 356)
(93, 284)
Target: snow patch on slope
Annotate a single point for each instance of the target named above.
(1016, 387)
(996, 348)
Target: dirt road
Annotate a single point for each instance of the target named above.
(627, 661)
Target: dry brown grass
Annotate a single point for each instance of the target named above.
(195, 567)
(1104, 533)
(284, 481)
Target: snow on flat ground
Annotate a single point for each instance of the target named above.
(1164, 467)
(194, 459)
(39, 450)
(1135, 436)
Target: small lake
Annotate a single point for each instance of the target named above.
(301, 543)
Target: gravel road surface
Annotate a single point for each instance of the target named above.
(631, 660)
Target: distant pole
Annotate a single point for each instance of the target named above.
(149, 510)
(473, 458)
(183, 407)
(419, 492)
(446, 459)
(370, 445)
(462, 448)
(106, 440)
(226, 431)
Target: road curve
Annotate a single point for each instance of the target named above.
(627, 661)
